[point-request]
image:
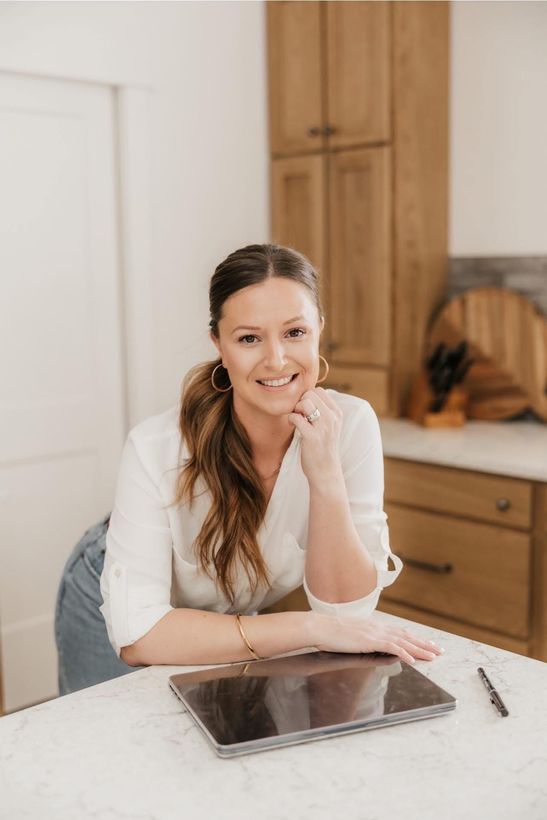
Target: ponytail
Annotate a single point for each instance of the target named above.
(220, 451)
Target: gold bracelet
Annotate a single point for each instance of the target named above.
(247, 644)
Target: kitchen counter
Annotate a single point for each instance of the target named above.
(126, 749)
(512, 448)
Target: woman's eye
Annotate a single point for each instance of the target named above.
(294, 333)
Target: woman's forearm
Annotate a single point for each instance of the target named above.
(194, 636)
(338, 567)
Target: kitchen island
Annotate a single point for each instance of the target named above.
(126, 749)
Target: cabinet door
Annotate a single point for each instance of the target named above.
(358, 38)
(461, 628)
(360, 256)
(477, 573)
(295, 83)
(299, 208)
(370, 383)
(495, 499)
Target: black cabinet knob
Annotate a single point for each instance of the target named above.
(503, 504)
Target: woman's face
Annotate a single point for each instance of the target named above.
(269, 333)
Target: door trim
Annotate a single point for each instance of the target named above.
(132, 117)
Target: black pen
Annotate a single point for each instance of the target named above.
(494, 696)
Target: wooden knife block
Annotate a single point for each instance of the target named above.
(507, 340)
(421, 398)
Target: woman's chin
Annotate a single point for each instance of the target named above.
(279, 406)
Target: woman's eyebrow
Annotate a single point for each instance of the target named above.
(251, 327)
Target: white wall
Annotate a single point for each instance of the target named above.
(498, 186)
(204, 62)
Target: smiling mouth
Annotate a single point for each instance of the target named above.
(282, 382)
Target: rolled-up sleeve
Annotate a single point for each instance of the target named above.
(363, 467)
(136, 578)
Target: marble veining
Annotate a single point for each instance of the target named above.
(512, 448)
(127, 749)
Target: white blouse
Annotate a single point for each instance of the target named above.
(150, 566)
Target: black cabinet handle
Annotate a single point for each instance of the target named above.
(328, 130)
(314, 131)
(503, 504)
(440, 569)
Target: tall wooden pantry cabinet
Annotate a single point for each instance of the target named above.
(358, 101)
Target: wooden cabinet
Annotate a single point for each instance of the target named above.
(496, 499)
(299, 213)
(329, 69)
(474, 549)
(359, 145)
(475, 573)
(359, 326)
(295, 70)
(358, 71)
(472, 545)
(363, 381)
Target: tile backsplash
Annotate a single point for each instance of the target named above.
(525, 274)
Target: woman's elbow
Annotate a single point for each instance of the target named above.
(128, 654)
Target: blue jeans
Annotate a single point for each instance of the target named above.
(85, 654)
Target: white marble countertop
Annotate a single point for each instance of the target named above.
(126, 749)
(512, 448)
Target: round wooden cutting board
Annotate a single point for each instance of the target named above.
(507, 338)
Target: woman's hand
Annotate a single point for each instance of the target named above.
(320, 453)
(332, 634)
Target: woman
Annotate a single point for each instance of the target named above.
(260, 481)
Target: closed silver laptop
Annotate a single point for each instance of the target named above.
(248, 707)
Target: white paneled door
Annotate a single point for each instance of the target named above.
(62, 394)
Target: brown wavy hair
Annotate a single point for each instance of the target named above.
(220, 453)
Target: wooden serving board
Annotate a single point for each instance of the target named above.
(507, 337)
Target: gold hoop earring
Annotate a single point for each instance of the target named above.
(219, 389)
(326, 371)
